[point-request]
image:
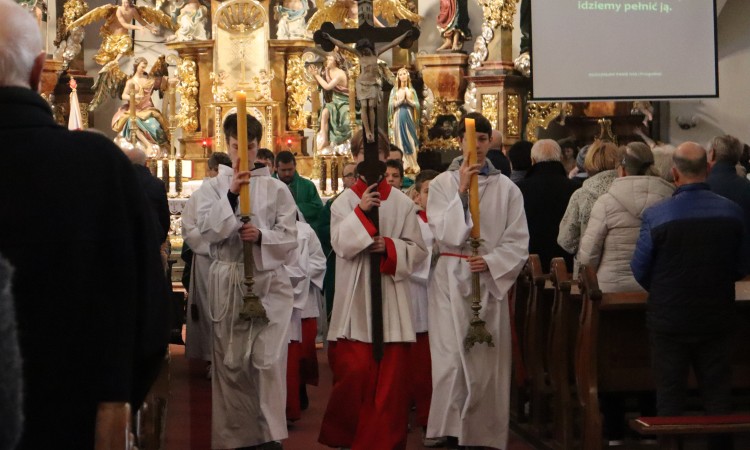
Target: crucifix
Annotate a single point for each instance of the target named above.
(372, 168)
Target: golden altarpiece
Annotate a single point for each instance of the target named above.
(240, 53)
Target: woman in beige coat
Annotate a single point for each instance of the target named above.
(600, 162)
(609, 240)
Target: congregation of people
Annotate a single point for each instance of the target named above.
(84, 291)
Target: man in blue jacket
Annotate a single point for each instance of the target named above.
(688, 257)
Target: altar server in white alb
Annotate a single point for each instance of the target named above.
(249, 358)
(420, 372)
(198, 333)
(306, 268)
(470, 397)
(368, 408)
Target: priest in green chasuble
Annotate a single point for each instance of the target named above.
(303, 190)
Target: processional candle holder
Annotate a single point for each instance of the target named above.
(252, 308)
(477, 333)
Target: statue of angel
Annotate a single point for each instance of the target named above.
(152, 129)
(115, 33)
(344, 13)
(263, 85)
(191, 18)
(219, 91)
(290, 15)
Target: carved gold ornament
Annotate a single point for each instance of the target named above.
(441, 107)
(241, 17)
(187, 73)
(513, 115)
(298, 90)
(490, 109)
(495, 13)
(541, 114)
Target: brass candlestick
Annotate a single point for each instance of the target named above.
(334, 175)
(178, 175)
(165, 173)
(252, 308)
(153, 165)
(323, 175)
(477, 332)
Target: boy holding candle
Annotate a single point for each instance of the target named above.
(249, 357)
(470, 398)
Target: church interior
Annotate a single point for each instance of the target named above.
(165, 83)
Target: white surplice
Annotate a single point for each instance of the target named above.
(419, 279)
(350, 238)
(198, 334)
(470, 397)
(311, 259)
(249, 358)
(306, 268)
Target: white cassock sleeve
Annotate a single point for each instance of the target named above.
(409, 246)
(215, 217)
(191, 233)
(510, 253)
(349, 236)
(421, 274)
(317, 261)
(280, 237)
(449, 221)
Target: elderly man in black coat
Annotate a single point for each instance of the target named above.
(546, 191)
(76, 227)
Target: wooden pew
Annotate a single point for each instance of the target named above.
(519, 394)
(535, 351)
(612, 352)
(671, 430)
(563, 331)
(113, 428)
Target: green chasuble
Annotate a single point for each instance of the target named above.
(307, 199)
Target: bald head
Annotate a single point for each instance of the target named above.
(136, 156)
(690, 164)
(496, 141)
(545, 150)
(21, 57)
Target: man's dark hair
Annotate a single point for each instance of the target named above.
(568, 142)
(482, 125)
(425, 175)
(285, 157)
(394, 148)
(690, 167)
(396, 165)
(254, 128)
(727, 148)
(519, 155)
(265, 153)
(217, 158)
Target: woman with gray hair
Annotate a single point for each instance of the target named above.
(609, 240)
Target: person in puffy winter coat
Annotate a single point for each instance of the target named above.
(609, 240)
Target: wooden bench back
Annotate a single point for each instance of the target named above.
(612, 352)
